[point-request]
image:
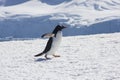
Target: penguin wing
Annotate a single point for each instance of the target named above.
(48, 46)
(47, 35)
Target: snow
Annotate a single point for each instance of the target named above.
(85, 57)
(32, 18)
(76, 12)
(90, 57)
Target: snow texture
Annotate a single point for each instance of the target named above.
(93, 57)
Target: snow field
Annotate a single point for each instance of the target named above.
(92, 57)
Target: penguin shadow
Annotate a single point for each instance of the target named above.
(41, 59)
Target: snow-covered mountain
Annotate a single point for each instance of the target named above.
(31, 18)
(11, 2)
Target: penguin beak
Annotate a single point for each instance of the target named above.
(63, 27)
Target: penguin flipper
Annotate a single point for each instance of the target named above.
(40, 54)
(47, 35)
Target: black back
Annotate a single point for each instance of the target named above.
(48, 46)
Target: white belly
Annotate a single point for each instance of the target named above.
(55, 44)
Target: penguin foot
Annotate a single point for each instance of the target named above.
(56, 55)
(46, 57)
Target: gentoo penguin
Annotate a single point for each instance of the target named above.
(53, 42)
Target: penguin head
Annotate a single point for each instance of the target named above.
(63, 27)
(59, 28)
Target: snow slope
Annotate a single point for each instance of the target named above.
(32, 18)
(95, 57)
(76, 12)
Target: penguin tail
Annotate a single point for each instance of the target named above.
(40, 54)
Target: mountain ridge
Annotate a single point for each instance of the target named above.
(72, 13)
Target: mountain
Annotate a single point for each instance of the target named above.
(34, 17)
(11, 2)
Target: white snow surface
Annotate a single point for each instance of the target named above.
(76, 12)
(92, 57)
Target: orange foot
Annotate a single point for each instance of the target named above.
(56, 55)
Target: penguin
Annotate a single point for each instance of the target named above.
(53, 43)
